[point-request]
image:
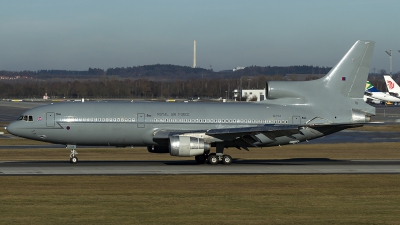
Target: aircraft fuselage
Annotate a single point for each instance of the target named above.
(134, 124)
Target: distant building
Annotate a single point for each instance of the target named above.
(249, 95)
(14, 77)
(238, 68)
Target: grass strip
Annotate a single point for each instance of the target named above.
(384, 150)
(183, 199)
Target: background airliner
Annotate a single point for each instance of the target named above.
(392, 86)
(374, 94)
(294, 112)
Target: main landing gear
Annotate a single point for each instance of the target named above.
(72, 157)
(214, 158)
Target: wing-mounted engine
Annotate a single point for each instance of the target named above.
(282, 89)
(187, 146)
(368, 93)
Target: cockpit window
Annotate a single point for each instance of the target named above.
(26, 118)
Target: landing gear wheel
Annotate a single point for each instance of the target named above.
(201, 159)
(226, 159)
(73, 160)
(213, 159)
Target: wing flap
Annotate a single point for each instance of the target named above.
(249, 133)
(244, 137)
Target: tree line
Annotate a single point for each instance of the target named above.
(110, 87)
(167, 72)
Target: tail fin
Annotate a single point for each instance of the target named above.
(349, 76)
(392, 86)
(370, 88)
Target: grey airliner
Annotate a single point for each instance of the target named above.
(294, 111)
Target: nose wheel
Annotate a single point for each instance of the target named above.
(73, 160)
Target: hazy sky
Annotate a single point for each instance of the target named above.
(78, 34)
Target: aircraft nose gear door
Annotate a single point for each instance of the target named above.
(140, 120)
(50, 119)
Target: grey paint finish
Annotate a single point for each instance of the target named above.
(316, 108)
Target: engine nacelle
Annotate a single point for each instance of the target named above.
(281, 89)
(187, 146)
(360, 116)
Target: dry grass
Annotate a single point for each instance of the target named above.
(333, 151)
(2, 126)
(21, 141)
(379, 128)
(233, 199)
(201, 199)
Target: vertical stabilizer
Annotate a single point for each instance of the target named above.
(349, 76)
(391, 85)
(370, 88)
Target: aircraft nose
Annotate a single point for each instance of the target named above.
(11, 128)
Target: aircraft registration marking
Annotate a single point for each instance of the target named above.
(173, 114)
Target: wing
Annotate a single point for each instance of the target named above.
(244, 137)
(250, 136)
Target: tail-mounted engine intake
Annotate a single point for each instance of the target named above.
(281, 89)
(187, 146)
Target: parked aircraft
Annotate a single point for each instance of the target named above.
(392, 86)
(373, 94)
(295, 111)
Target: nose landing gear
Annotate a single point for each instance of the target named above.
(72, 157)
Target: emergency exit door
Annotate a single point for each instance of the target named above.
(50, 120)
(140, 120)
(296, 120)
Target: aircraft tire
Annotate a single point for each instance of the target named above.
(226, 159)
(213, 159)
(200, 159)
(73, 160)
